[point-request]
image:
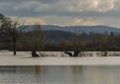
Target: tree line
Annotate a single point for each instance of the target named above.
(13, 37)
(79, 42)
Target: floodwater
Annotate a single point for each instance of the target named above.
(60, 75)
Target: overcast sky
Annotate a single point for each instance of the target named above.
(64, 12)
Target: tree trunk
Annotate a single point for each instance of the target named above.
(14, 46)
(34, 54)
(76, 53)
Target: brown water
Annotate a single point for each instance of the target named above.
(60, 75)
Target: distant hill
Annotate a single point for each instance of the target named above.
(77, 29)
(56, 35)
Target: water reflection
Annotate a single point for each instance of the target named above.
(101, 75)
(60, 75)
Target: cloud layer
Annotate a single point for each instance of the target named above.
(57, 7)
(87, 12)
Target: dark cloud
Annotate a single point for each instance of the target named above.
(49, 1)
(42, 1)
(11, 1)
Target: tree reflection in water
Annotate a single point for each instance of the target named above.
(60, 75)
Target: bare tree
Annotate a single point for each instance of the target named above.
(12, 28)
(38, 38)
(76, 44)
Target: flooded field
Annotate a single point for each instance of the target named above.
(24, 69)
(60, 75)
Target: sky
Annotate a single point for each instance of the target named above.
(64, 12)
